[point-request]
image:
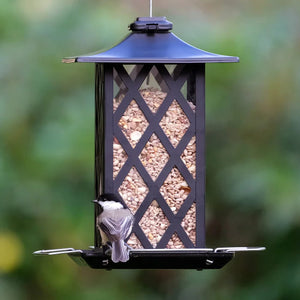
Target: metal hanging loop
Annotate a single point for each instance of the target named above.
(150, 8)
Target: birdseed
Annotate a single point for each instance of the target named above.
(154, 156)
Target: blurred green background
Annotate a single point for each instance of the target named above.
(46, 147)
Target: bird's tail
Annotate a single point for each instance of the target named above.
(120, 252)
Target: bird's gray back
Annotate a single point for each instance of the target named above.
(117, 224)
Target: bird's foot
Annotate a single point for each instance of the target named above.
(128, 247)
(107, 249)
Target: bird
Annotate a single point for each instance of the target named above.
(114, 223)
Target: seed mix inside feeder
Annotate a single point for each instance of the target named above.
(154, 157)
(150, 148)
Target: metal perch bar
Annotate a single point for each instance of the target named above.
(57, 251)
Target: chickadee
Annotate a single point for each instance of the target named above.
(114, 224)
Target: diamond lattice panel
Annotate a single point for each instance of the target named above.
(153, 97)
(154, 157)
(188, 156)
(183, 90)
(175, 242)
(133, 190)
(133, 123)
(134, 242)
(119, 90)
(154, 223)
(174, 123)
(175, 190)
(119, 157)
(154, 90)
(133, 70)
(171, 69)
(189, 223)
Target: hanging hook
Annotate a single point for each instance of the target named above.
(150, 8)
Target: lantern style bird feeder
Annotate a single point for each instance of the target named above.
(150, 148)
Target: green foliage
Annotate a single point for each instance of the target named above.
(46, 147)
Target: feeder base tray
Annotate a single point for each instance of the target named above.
(195, 258)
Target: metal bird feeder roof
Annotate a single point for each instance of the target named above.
(152, 42)
(150, 148)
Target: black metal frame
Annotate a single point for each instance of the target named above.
(107, 128)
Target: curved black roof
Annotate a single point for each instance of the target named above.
(151, 42)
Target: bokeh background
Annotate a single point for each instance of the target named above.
(46, 147)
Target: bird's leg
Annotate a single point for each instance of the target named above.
(128, 247)
(107, 248)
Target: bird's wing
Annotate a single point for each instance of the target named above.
(116, 227)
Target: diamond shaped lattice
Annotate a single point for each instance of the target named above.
(153, 97)
(170, 69)
(133, 190)
(175, 190)
(119, 157)
(154, 156)
(188, 156)
(133, 70)
(175, 242)
(133, 123)
(154, 223)
(134, 242)
(189, 223)
(119, 90)
(153, 89)
(174, 123)
(175, 70)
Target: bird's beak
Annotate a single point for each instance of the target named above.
(95, 201)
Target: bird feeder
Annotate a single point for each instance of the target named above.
(150, 148)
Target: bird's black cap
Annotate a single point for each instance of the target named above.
(108, 197)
